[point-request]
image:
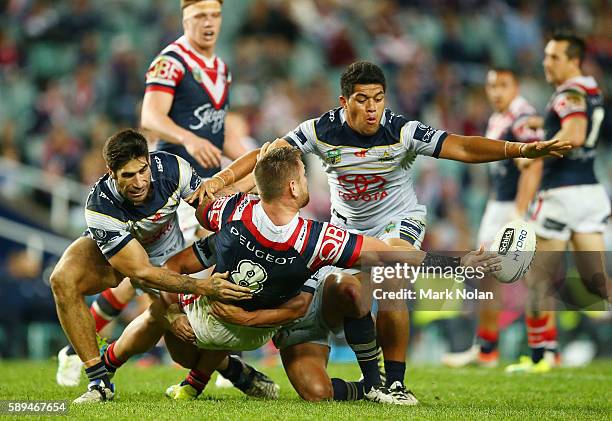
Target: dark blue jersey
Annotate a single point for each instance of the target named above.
(578, 97)
(113, 221)
(200, 87)
(275, 262)
(512, 126)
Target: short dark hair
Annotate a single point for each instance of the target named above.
(363, 73)
(503, 69)
(274, 170)
(576, 47)
(124, 146)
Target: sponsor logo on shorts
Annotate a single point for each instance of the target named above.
(553, 225)
(364, 187)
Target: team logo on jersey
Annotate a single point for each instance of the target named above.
(103, 237)
(361, 153)
(366, 187)
(333, 156)
(250, 274)
(424, 133)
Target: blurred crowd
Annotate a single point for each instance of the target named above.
(72, 72)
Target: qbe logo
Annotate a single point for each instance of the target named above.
(331, 245)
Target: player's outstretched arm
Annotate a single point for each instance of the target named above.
(133, 262)
(237, 170)
(375, 252)
(281, 315)
(474, 149)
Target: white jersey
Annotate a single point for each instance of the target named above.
(370, 177)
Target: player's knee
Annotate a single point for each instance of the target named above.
(317, 391)
(349, 292)
(62, 281)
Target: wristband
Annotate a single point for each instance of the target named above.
(506, 149)
(521, 150)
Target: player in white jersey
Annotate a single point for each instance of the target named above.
(132, 227)
(513, 186)
(368, 152)
(572, 207)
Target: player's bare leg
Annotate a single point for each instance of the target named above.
(346, 304)
(393, 327)
(539, 317)
(104, 310)
(589, 252)
(305, 365)
(484, 352)
(82, 271)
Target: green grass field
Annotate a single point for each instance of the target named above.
(584, 393)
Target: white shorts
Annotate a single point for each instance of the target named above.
(496, 215)
(311, 328)
(409, 228)
(560, 211)
(211, 333)
(187, 222)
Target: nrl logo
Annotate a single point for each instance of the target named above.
(506, 241)
(333, 157)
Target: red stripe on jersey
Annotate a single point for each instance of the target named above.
(356, 251)
(574, 114)
(589, 91)
(201, 63)
(160, 88)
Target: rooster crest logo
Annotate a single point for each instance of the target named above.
(250, 274)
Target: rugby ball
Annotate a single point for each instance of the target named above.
(515, 244)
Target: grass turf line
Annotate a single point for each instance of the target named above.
(584, 393)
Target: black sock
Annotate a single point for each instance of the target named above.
(237, 372)
(395, 370)
(361, 337)
(70, 350)
(98, 372)
(537, 354)
(486, 347)
(347, 391)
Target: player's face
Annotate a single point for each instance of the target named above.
(134, 180)
(301, 187)
(202, 30)
(556, 63)
(364, 108)
(501, 89)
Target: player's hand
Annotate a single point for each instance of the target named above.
(206, 191)
(555, 147)
(230, 313)
(535, 122)
(488, 261)
(203, 151)
(217, 288)
(181, 328)
(263, 150)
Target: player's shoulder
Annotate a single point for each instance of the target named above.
(166, 165)
(520, 106)
(393, 123)
(583, 85)
(102, 201)
(327, 124)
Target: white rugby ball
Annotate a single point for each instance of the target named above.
(515, 244)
